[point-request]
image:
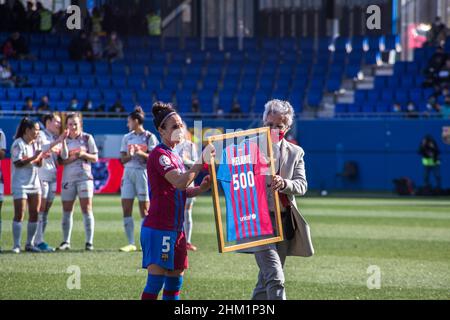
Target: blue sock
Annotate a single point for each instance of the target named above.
(153, 287)
(172, 287)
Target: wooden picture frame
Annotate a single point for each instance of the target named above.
(216, 201)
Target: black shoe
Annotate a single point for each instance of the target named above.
(89, 246)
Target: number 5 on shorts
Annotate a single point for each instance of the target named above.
(165, 244)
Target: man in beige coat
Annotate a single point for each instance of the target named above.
(289, 181)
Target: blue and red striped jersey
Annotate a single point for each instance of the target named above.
(242, 174)
(167, 205)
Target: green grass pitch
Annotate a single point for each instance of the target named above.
(408, 239)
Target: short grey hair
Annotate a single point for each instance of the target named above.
(283, 108)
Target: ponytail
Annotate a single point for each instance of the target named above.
(25, 123)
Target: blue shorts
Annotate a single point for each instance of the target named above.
(166, 249)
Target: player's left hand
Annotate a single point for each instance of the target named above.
(206, 183)
(277, 183)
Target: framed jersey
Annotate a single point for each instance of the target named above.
(247, 211)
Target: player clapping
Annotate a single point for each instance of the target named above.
(26, 157)
(78, 152)
(135, 148)
(188, 153)
(50, 139)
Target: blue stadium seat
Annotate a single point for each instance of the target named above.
(324, 44)
(126, 95)
(46, 54)
(401, 96)
(101, 68)
(341, 108)
(39, 67)
(34, 80)
(382, 107)
(165, 95)
(109, 95)
(360, 96)
(391, 42)
(368, 108)
(69, 68)
(380, 82)
(47, 80)
(53, 67)
(153, 82)
(373, 95)
(288, 44)
(73, 81)
(138, 70)
(358, 43)
(354, 108)
(415, 95)
(25, 93)
(3, 93)
(333, 84)
(340, 43)
(60, 81)
(82, 94)
(118, 69)
(306, 44)
(352, 70)
(374, 42)
(387, 96)
(143, 95)
(54, 94)
(62, 55)
(8, 105)
(119, 82)
(372, 57)
(14, 94)
(40, 92)
(26, 66)
(95, 95)
(68, 94)
(103, 81)
(314, 97)
(88, 82)
(135, 82)
(84, 68)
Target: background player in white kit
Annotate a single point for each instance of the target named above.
(26, 156)
(50, 140)
(2, 186)
(135, 148)
(78, 152)
(187, 151)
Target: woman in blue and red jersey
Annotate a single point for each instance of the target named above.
(162, 236)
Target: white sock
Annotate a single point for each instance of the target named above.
(89, 224)
(67, 223)
(128, 224)
(17, 233)
(188, 224)
(42, 223)
(31, 232)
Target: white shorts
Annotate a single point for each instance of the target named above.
(2, 191)
(22, 193)
(48, 190)
(134, 184)
(70, 190)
